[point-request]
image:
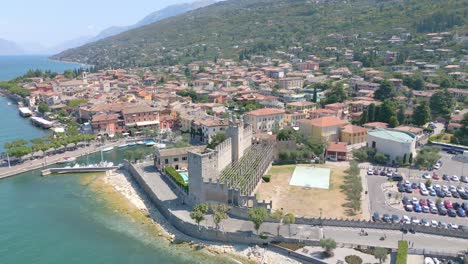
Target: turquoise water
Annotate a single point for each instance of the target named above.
(14, 66)
(13, 127)
(56, 219)
(184, 176)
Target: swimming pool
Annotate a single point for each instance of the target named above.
(184, 176)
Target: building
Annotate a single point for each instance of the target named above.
(336, 151)
(291, 83)
(300, 107)
(291, 119)
(141, 116)
(323, 129)
(352, 134)
(174, 157)
(396, 144)
(107, 124)
(265, 119)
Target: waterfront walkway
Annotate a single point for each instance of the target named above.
(344, 236)
(28, 165)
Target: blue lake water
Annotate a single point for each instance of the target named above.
(14, 66)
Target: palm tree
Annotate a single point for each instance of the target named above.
(278, 215)
(289, 219)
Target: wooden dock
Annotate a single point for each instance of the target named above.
(77, 170)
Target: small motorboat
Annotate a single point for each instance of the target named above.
(107, 149)
(9, 103)
(150, 143)
(140, 143)
(123, 145)
(132, 144)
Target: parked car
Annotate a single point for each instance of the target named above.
(376, 172)
(415, 220)
(461, 212)
(435, 177)
(409, 208)
(395, 219)
(383, 173)
(376, 217)
(455, 195)
(424, 222)
(452, 226)
(422, 185)
(425, 209)
(445, 177)
(464, 195)
(437, 187)
(432, 192)
(455, 178)
(401, 187)
(434, 223)
(426, 175)
(423, 202)
(406, 200)
(386, 218)
(460, 189)
(456, 205)
(451, 212)
(434, 210)
(406, 219)
(414, 185)
(440, 193)
(436, 166)
(448, 204)
(448, 194)
(442, 225)
(417, 208)
(444, 188)
(407, 183)
(424, 192)
(452, 188)
(442, 210)
(464, 179)
(397, 178)
(370, 172)
(408, 190)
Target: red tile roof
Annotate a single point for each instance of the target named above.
(326, 121)
(354, 129)
(266, 111)
(337, 147)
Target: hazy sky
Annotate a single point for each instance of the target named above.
(51, 22)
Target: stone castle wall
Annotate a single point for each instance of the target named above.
(224, 154)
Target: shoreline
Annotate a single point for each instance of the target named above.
(123, 184)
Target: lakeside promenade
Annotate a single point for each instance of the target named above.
(40, 163)
(160, 187)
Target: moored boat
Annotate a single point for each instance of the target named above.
(107, 149)
(67, 160)
(123, 145)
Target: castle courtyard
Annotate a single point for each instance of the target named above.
(305, 200)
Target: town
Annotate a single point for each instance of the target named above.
(364, 140)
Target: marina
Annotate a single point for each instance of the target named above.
(102, 167)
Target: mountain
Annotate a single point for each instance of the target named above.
(170, 11)
(238, 28)
(10, 48)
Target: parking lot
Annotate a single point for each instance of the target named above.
(385, 199)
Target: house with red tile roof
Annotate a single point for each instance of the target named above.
(322, 129)
(265, 119)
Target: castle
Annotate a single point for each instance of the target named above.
(231, 171)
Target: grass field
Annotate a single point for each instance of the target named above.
(303, 201)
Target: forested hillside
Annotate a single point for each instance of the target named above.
(240, 27)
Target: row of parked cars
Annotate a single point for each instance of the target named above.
(429, 206)
(396, 219)
(445, 177)
(441, 191)
(385, 172)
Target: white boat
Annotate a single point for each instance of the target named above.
(123, 145)
(67, 160)
(140, 143)
(132, 144)
(76, 166)
(9, 103)
(107, 149)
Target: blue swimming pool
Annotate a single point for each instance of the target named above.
(184, 176)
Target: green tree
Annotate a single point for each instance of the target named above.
(401, 115)
(198, 213)
(442, 102)
(387, 111)
(217, 139)
(19, 151)
(43, 108)
(380, 158)
(289, 219)
(380, 254)
(461, 135)
(393, 122)
(279, 216)
(219, 212)
(371, 113)
(385, 91)
(422, 114)
(329, 245)
(258, 215)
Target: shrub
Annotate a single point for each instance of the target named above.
(402, 252)
(266, 178)
(176, 177)
(353, 259)
(263, 236)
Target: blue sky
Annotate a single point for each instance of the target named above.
(50, 22)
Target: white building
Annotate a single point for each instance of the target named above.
(265, 119)
(392, 143)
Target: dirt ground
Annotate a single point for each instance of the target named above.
(303, 201)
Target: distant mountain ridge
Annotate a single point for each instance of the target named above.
(237, 28)
(170, 11)
(8, 47)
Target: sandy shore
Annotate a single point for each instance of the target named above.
(125, 185)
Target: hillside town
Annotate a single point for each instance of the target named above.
(219, 126)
